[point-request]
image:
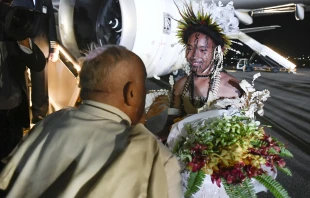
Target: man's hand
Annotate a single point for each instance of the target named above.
(54, 57)
(25, 43)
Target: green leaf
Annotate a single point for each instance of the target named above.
(248, 188)
(273, 151)
(243, 190)
(285, 153)
(176, 148)
(272, 185)
(285, 170)
(278, 142)
(186, 156)
(258, 143)
(195, 181)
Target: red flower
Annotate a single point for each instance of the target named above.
(198, 160)
(229, 179)
(281, 163)
(277, 148)
(253, 171)
(216, 178)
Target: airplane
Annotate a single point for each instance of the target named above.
(147, 27)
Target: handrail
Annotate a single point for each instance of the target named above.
(70, 61)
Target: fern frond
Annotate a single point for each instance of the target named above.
(285, 170)
(176, 148)
(195, 181)
(272, 185)
(258, 143)
(273, 151)
(228, 188)
(285, 153)
(243, 190)
(248, 188)
(189, 128)
(278, 142)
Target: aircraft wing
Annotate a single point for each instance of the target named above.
(245, 15)
(255, 4)
(259, 29)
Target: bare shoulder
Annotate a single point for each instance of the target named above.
(179, 85)
(229, 86)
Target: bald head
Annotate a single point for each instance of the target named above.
(116, 76)
(106, 68)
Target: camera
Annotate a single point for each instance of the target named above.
(19, 23)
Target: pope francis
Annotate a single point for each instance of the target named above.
(96, 150)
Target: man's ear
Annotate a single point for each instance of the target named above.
(128, 93)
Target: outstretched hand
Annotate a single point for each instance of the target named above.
(54, 57)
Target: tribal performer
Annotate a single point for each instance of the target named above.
(205, 42)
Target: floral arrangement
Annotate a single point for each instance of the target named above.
(233, 148)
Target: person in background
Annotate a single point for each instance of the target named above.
(15, 55)
(47, 42)
(98, 149)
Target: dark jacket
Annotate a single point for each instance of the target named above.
(17, 61)
(48, 26)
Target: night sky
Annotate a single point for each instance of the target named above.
(291, 39)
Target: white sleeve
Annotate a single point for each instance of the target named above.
(26, 49)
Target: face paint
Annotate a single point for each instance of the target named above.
(199, 53)
(195, 51)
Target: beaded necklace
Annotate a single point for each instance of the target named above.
(189, 86)
(207, 75)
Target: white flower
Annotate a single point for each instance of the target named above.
(224, 16)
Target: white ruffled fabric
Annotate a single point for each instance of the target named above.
(222, 15)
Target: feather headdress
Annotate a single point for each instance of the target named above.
(218, 20)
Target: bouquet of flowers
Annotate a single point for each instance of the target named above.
(232, 148)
